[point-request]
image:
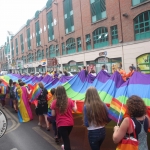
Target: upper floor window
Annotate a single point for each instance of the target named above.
(142, 26)
(29, 58)
(47, 53)
(57, 50)
(63, 48)
(39, 55)
(88, 42)
(68, 16)
(114, 35)
(28, 39)
(37, 28)
(52, 51)
(50, 25)
(100, 37)
(98, 10)
(22, 43)
(16, 42)
(49, 4)
(79, 44)
(70, 46)
(137, 2)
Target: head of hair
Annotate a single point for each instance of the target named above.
(21, 83)
(84, 67)
(96, 111)
(104, 66)
(19, 80)
(92, 71)
(41, 85)
(136, 106)
(55, 71)
(53, 91)
(14, 83)
(60, 72)
(10, 82)
(131, 67)
(61, 99)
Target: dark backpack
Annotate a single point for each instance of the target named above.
(12, 93)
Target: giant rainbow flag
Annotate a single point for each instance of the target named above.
(110, 87)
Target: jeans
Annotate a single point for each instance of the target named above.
(65, 132)
(96, 137)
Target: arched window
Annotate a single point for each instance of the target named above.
(29, 58)
(39, 55)
(52, 51)
(70, 46)
(100, 37)
(142, 26)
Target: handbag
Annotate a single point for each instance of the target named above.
(129, 143)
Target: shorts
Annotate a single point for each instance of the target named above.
(42, 109)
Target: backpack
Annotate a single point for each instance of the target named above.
(12, 93)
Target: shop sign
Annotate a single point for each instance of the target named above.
(103, 53)
(73, 63)
(51, 62)
(102, 60)
(143, 62)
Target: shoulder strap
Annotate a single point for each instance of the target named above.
(132, 126)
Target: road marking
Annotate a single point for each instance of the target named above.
(48, 138)
(14, 120)
(14, 149)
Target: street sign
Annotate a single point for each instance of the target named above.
(3, 123)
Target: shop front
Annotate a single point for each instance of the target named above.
(143, 63)
(73, 67)
(111, 64)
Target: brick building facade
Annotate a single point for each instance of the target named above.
(77, 31)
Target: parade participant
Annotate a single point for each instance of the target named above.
(122, 73)
(137, 112)
(86, 72)
(2, 93)
(60, 74)
(55, 74)
(133, 67)
(42, 108)
(15, 97)
(66, 73)
(93, 72)
(62, 108)
(104, 68)
(95, 118)
(130, 73)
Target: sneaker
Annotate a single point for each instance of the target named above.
(47, 129)
(39, 124)
(62, 146)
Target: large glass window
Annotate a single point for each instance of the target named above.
(47, 53)
(79, 44)
(38, 39)
(100, 37)
(28, 39)
(57, 50)
(16, 42)
(12, 49)
(49, 4)
(42, 54)
(22, 43)
(39, 55)
(29, 58)
(50, 25)
(52, 51)
(70, 46)
(114, 35)
(63, 49)
(142, 26)
(68, 16)
(98, 10)
(88, 42)
(137, 2)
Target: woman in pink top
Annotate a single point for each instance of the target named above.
(62, 108)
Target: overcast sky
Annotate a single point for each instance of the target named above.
(15, 13)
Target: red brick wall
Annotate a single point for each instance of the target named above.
(82, 23)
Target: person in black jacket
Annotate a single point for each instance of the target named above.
(42, 107)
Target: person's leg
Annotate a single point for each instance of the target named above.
(47, 123)
(96, 137)
(15, 105)
(64, 132)
(40, 120)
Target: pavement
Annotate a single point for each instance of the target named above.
(29, 136)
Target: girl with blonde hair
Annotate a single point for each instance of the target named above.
(95, 118)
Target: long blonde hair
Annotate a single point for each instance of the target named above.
(61, 99)
(96, 110)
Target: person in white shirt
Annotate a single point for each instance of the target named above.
(104, 68)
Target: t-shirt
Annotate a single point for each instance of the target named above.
(65, 119)
(43, 96)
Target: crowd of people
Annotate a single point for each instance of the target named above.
(58, 113)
